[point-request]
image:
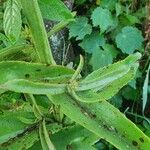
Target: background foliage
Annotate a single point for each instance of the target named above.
(105, 31)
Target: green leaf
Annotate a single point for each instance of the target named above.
(104, 120)
(11, 123)
(129, 40)
(111, 49)
(91, 42)
(100, 58)
(102, 18)
(80, 2)
(29, 79)
(108, 4)
(109, 80)
(116, 101)
(12, 20)
(29, 139)
(129, 93)
(118, 9)
(71, 135)
(80, 28)
(145, 90)
(54, 10)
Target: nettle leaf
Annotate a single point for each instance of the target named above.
(80, 28)
(12, 20)
(110, 125)
(54, 10)
(91, 42)
(101, 58)
(102, 18)
(109, 4)
(129, 40)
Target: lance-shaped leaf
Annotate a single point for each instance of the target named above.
(28, 139)
(44, 137)
(107, 81)
(105, 121)
(33, 78)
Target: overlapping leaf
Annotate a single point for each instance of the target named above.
(104, 120)
(54, 10)
(12, 20)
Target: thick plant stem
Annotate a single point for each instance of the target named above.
(34, 17)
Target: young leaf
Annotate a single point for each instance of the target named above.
(12, 20)
(129, 40)
(54, 10)
(102, 18)
(80, 28)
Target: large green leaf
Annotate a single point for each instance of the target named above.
(42, 79)
(12, 20)
(54, 10)
(105, 121)
(129, 40)
(109, 80)
(33, 78)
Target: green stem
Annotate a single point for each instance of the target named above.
(58, 27)
(34, 17)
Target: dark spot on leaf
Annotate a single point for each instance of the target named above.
(38, 70)
(27, 75)
(47, 65)
(135, 143)
(46, 80)
(68, 147)
(94, 115)
(141, 139)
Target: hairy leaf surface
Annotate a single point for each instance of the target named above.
(105, 121)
